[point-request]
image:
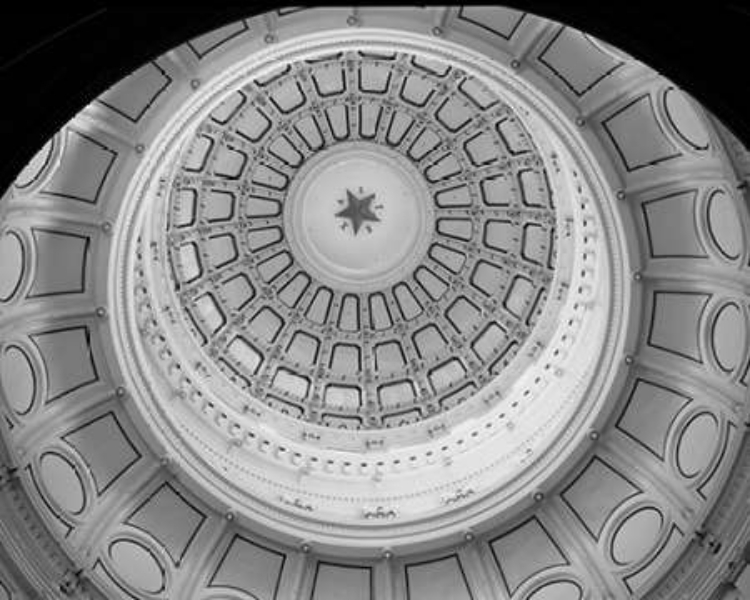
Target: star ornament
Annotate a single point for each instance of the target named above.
(359, 211)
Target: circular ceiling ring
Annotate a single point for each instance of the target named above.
(447, 311)
(247, 425)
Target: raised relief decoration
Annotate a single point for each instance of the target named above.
(671, 226)
(208, 42)
(133, 96)
(359, 212)
(63, 482)
(345, 581)
(83, 171)
(168, 517)
(61, 260)
(250, 568)
(525, 551)
(335, 240)
(724, 224)
(367, 241)
(440, 578)
(68, 360)
(728, 336)
(40, 167)
(676, 322)
(650, 414)
(105, 448)
(596, 493)
(639, 542)
(636, 536)
(684, 119)
(134, 568)
(696, 444)
(577, 60)
(637, 135)
(18, 378)
(558, 590)
(13, 265)
(500, 21)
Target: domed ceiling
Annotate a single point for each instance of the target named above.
(378, 304)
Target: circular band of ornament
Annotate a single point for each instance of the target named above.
(218, 314)
(383, 251)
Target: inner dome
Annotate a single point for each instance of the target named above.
(276, 367)
(361, 239)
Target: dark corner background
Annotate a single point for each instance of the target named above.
(56, 59)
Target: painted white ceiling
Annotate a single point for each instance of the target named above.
(544, 396)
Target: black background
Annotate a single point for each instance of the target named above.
(55, 60)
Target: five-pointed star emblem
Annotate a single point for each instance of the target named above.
(358, 210)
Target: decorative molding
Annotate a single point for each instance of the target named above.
(388, 426)
(379, 512)
(296, 503)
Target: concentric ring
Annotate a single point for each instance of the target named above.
(299, 423)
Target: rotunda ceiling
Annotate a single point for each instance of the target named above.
(377, 303)
(335, 262)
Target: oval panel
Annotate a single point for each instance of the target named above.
(728, 336)
(557, 590)
(697, 444)
(63, 483)
(11, 265)
(636, 536)
(18, 379)
(724, 224)
(137, 566)
(685, 120)
(36, 167)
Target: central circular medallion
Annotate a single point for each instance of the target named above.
(358, 217)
